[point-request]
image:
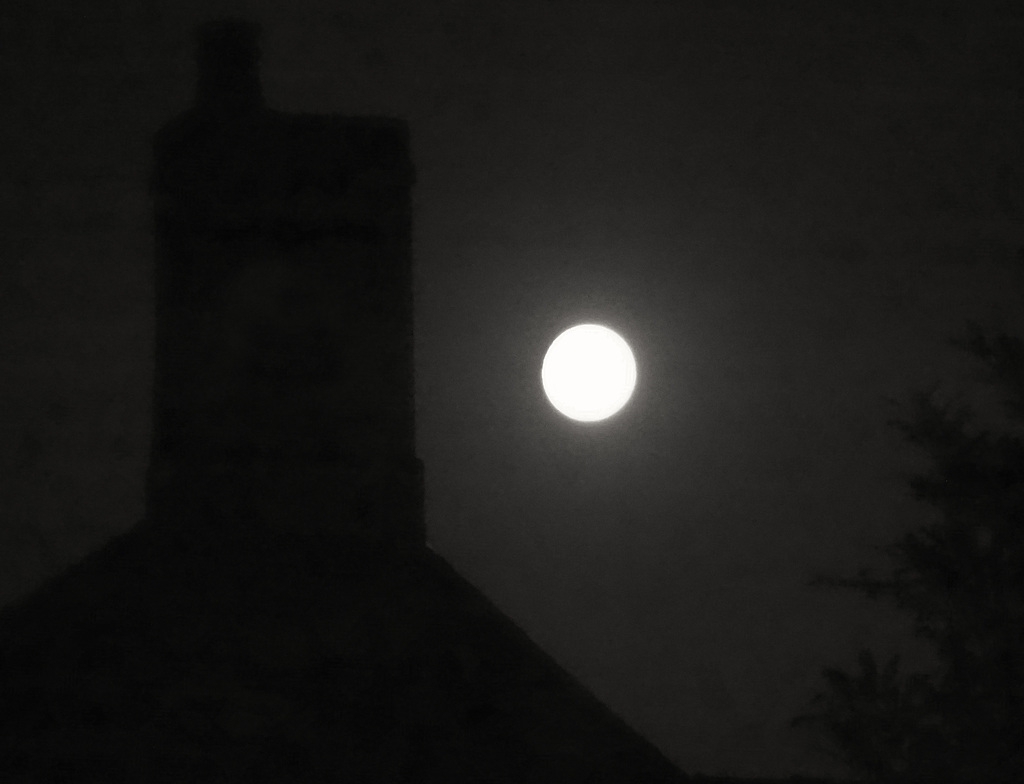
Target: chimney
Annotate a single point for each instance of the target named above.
(228, 62)
(283, 389)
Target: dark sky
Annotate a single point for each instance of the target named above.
(786, 208)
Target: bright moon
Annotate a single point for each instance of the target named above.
(588, 373)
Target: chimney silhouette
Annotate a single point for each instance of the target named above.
(228, 60)
(277, 617)
(283, 388)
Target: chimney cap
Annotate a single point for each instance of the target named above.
(228, 60)
(230, 39)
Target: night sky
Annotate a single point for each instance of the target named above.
(785, 208)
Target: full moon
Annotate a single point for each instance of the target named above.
(588, 373)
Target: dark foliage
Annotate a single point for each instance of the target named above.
(961, 578)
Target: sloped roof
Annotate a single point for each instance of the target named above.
(207, 653)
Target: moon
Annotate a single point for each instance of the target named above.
(588, 373)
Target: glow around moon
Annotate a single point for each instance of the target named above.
(588, 373)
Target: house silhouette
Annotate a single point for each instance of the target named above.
(278, 616)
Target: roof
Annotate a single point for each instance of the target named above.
(204, 653)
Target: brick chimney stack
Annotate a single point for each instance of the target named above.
(283, 390)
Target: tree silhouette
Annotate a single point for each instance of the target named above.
(961, 578)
